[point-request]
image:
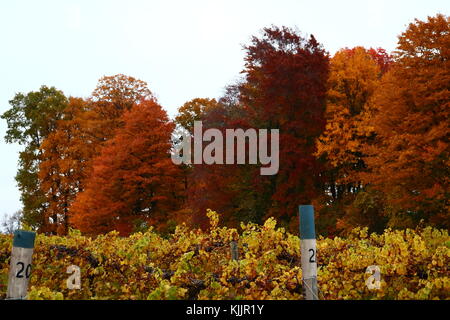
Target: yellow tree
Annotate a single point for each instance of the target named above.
(194, 110)
(354, 76)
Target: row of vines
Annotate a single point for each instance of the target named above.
(195, 264)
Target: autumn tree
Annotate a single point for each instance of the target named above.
(408, 159)
(194, 110)
(121, 92)
(66, 156)
(78, 137)
(212, 186)
(191, 111)
(111, 98)
(31, 119)
(383, 59)
(354, 76)
(133, 180)
(283, 87)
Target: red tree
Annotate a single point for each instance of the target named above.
(134, 180)
(284, 88)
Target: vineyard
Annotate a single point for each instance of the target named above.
(195, 264)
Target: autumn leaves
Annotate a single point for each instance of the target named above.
(95, 164)
(133, 179)
(363, 136)
(387, 138)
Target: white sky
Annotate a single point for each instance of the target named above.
(182, 49)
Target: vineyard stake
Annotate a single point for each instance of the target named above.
(308, 252)
(20, 265)
(234, 250)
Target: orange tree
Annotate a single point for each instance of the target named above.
(133, 181)
(408, 156)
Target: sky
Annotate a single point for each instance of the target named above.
(182, 49)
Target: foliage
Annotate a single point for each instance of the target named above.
(133, 177)
(194, 110)
(79, 136)
(283, 87)
(66, 155)
(354, 77)
(363, 137)
(121, 92)
(385, 146)
(31, 119)
(408, 156)
(196, 264)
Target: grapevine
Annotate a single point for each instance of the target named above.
(196, 264)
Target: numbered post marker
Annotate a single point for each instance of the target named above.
(308, 252)
(20, 266)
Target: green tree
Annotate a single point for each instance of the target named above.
(31, 119)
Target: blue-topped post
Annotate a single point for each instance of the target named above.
(308, 252)
(20, 265)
